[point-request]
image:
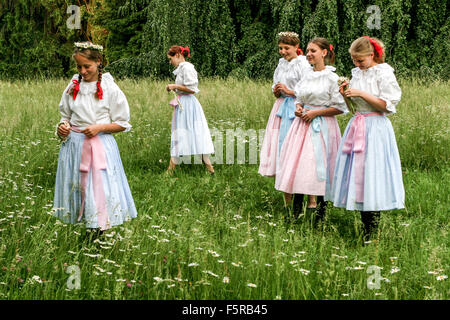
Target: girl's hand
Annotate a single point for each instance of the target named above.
(281, 88)
(171, 87)
(63, 131)
(342, 88)
(298, 112)
(353, 93)
(309, 115)
(276, 92)
(92, 130)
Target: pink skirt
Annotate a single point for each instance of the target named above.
(297, 172)
(269, 150)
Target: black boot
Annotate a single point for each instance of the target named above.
(370, 220)
(298, 204)
(320, 211)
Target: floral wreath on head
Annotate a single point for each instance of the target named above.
(76, 83)
(88, 45)
(291, 35)
(288, 34)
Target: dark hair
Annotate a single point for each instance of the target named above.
(178, 49)
(324, 44)
(93, 55)
(290, 40)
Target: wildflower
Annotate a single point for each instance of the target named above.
(443, 277)
(268, 265)
(433, 272)
(93, 255)
(170, 286)
(395, 270)
(193, 264)
(36, 279)
(305, 272)
(220, 261)
(393, 258)
(293, 262)
(428, 287)
(251, 285)
(235, 264)
(214, 254)
(345, 294)
(210, 273)
(109, 261)
(157, 279)
(278, 298)
(226, 280)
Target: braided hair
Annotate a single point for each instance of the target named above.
(93, 55)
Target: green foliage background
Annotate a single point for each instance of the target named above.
(226, 37)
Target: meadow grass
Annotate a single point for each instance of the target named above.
(220, 237)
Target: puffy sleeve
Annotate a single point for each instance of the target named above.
(276, 77)
(64, 107)
(390, 91)
(336, 99)
(119, 110)
(190, 78)
(298, 99)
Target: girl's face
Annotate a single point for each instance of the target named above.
(288, 51)
(363, 62)
(314, 54)
(176, 59)
(87, 68)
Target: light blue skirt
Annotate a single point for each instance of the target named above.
(383, 183)
(190, 132)
(67, 201)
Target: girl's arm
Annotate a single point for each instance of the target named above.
(95, 129)
(173, 87)
(283, 88)
(309, 115)
(375, 102)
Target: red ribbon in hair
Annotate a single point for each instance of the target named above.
(185, 49)
(76, 88)
(376, 46)
(299, 52)
(331, 47)
(99, 91)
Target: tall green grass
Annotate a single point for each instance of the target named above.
(221, 237)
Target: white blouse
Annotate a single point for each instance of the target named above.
(86, 109)
(291, 72)
(320, 88)
(380, 82)
(186, 75)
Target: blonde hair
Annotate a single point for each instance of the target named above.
(363, 46)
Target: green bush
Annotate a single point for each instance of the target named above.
(226, 37)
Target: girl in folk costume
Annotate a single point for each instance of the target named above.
(368, 175)
(309, 151)
(91, 185)
(291, 69)
(190, 132)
